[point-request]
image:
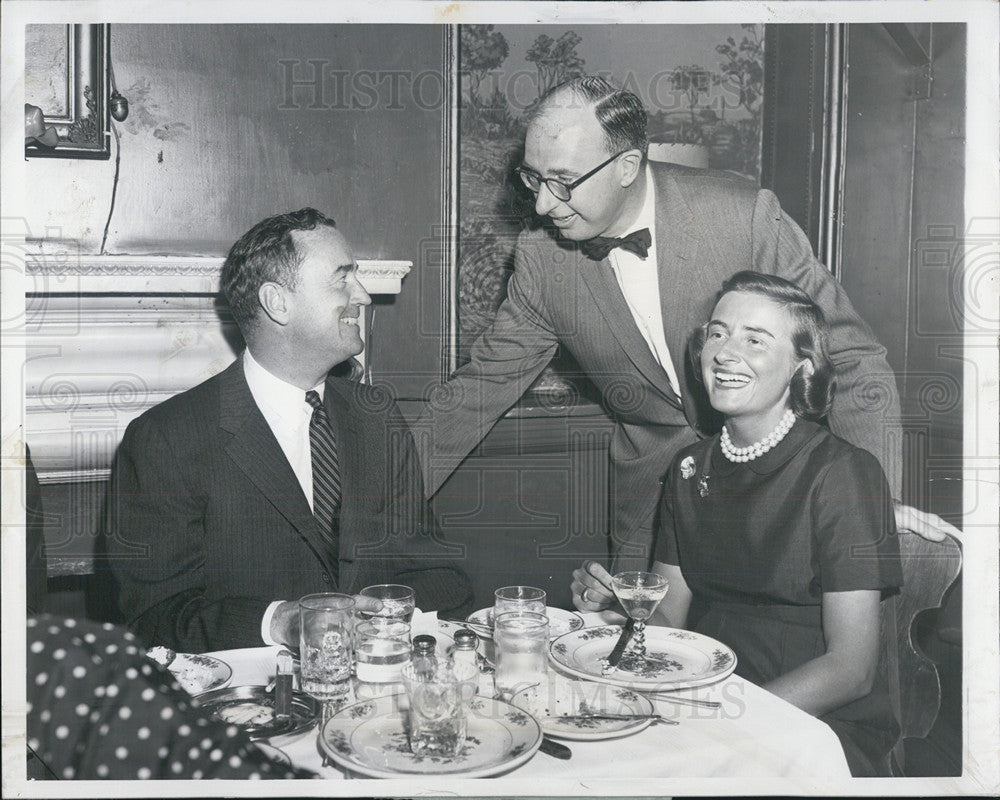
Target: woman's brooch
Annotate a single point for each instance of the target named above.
(687, 471)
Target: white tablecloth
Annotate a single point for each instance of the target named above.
(753, 735)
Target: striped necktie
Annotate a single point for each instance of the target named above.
(325, 471)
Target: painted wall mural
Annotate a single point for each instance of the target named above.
(702, 86)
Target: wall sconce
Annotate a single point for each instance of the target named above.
(119, 103)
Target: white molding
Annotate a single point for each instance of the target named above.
(137, 274)
(110, 336)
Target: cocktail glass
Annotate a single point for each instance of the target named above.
(639, 593)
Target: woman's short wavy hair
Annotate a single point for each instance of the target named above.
(811, 395)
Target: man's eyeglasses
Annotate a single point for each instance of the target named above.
(561, 191)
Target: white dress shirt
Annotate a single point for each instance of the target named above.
(640, 284)
(287, 413)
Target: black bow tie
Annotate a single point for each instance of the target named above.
(637, 242)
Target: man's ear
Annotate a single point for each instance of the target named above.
(273, 301)
(631, 161)
(807, 368)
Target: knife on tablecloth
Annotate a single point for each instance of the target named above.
(555, 749)
(597, 716)
(621, 644)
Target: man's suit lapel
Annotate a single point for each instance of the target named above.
(600, 279)
(257, 453)
(677, 245)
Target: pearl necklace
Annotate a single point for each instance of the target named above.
(742, 454)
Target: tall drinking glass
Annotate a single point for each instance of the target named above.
(326, 642)
(522, 644)
(398, 602)
(518, 599)
(439, 697)
(381, 649)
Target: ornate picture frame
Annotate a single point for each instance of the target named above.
(66, 68)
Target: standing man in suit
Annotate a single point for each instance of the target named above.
(273, 479)
(628, 265)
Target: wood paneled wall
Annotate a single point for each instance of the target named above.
(901, 237)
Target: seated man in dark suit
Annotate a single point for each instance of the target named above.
(273, 479)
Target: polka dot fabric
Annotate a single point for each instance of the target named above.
(97, 708)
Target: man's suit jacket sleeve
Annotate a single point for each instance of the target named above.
(156, 541)
(865, 409)
(429, 566)
(505, 360)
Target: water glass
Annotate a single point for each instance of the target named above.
(325, 637)
(381, 650)
(398, 602)
(522, 643)
(520, 599)
(439, 698)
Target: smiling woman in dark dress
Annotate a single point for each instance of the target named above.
(776, 536)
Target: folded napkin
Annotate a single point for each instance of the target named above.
(424, 622)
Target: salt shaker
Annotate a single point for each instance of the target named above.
(463, 651)
(422, 656)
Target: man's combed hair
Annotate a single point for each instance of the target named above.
(811, 395)
(265, 254)
(621, 114)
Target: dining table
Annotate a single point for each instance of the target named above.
(750, 734)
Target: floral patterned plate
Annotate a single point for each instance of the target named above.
(370, 738)
(562, 697)
(560, 620)
(678, 659)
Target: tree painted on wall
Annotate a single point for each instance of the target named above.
(693, 83)
(744, 68)
(733, 143)
(486, 235)
(483, 49)
(495, 207)
(555, 60)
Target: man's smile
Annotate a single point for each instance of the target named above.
(562, 220)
